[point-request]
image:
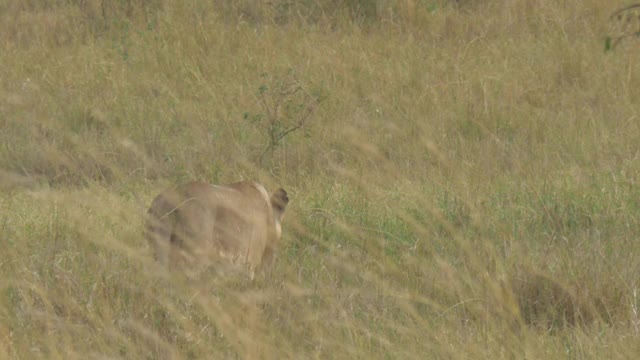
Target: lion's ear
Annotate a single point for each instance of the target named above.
(279, 201)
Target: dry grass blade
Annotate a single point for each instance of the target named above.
(623, 23)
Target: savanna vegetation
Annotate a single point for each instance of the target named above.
(464, 177)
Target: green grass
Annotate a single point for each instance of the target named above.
(463, 166)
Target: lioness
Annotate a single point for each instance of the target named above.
(197, 223)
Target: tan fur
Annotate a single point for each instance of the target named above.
(198, 223)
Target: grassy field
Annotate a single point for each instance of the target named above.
(464, 177)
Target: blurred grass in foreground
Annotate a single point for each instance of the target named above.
(465, 168)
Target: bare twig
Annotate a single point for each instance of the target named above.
(281, 124)
(623, 23)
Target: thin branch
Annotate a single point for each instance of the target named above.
(296, 127)
(623, 10)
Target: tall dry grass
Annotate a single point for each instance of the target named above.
(463, 177)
